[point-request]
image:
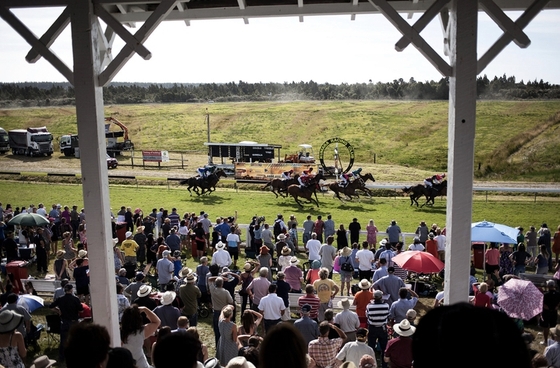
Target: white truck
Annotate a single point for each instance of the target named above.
(31, 141)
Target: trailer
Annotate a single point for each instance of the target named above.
(31, 141)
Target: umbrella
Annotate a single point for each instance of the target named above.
(417, 261)
(520, 299)
(29, 219)
(485, 231)
(30, 302)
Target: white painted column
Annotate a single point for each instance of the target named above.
(91, 130)
(462, 119)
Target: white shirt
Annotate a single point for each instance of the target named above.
(272, 305)
(417, 246)
(440, 239)
(313, 246)
(233, 240)
(221, 258)
(347, 320)
(353, 351)
(365, 258)
(42, 211)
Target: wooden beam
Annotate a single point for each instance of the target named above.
(51, 35)
(505, 23)
(422, 22)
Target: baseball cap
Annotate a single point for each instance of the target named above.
(166, 253)
(306, 308)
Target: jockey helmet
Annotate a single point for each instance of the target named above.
(291, 171)
(443, 175)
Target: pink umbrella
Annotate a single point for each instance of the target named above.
(520, 299)
(419, 262)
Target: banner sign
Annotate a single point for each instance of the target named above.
(260, 171)
(155, 156)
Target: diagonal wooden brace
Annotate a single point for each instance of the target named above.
(127, 37)
(50, 36)
(421, 23)
(505, 23)
(32, 40)
(158, 15)
(522, 22)
(412, 34)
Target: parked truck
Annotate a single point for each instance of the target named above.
(69, 142)
(31, 141)
(4, 146)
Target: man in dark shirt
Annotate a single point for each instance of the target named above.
(10, 247)
(68, 307)
(551, 302)
(40, 251)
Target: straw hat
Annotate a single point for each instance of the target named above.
(168, 297)
(43, 362)
(294, 260)
(82, 253)
(144, 290)
(404, 328)
(60, 254)
(191, 278)
(115, 241)
(247, 267)
(185, 271)
(220, 245)
(346, 252)
(364, 284)
(9, 321)
(139, 229)
(383, 242)
(264, 250)
(281, 237)
(343, 303)
(286, 251)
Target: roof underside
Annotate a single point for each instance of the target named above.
(127, 11)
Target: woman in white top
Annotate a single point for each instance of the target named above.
(134, 332)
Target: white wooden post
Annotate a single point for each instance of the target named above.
(462, 38)
(90, 115)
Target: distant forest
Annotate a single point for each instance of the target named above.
(60, 94)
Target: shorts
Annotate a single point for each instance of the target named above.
(548, 318)
(345, 276)
(200, 245)
(82, 290)
(234, 252)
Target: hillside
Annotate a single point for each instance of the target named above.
(514, 140)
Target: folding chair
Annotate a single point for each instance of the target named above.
(53, 327)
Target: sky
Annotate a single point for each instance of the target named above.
(325, 49)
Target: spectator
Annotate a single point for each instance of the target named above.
(365, 259)
(120, 358)
(354, 229)
(341, 237)
(166, 312)
(329, 227)
(371, 238)
(399, 350)
(233, 243)
(165, 353)
(311, 299)
(417, 245)
(293, 348)
(308, 328)
(129, 247)
(250, 321)
(393, 233)
(122, 301)
(361, 300)
(131, 290)
(313, 246)
(140, 239)
(43, 362)
(220, 298)
(12, 305)
(221, 257)
(313, 273)
(353, 351)
(549, 315)
(328, 253)
(345, 260)
(143, 298)
(165, 269)
(347, 320)
(272, 308)
(227, 344)
(323, 350)
(12, 346)
(432, 246)
(377, 314)
(68, 306)
(173, 241)
(390, 285)
(422, 232)
(326, 290)
(134, 331)
(265, 261)
(88, 346)
(190, 294)
(398, 309)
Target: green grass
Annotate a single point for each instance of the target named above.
(514, 140)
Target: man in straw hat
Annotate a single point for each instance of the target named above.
(353, 351)
(43, 362)
(361, 300)
(294, 275)
(167, 313)
(347, 320)
(399, 350)
(189, 294)
(221, 257)
(377, 314)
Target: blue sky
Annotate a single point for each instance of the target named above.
(324, 49)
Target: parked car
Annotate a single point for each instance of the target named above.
(112, 163)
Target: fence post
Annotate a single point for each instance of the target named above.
(182, 162)
(132, 158)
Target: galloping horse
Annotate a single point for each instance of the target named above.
(208, 184)
(349, 190)
(420, 190)
(279, 186)
(363, 188)
(296, 191)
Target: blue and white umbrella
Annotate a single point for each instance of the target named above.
(30, 302)
(485, 231)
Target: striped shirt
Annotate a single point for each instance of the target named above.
(377, 314)
(313, 301)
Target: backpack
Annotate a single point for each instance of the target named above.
(347, 266)
(277, 228)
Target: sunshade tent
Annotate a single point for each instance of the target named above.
(29, 219)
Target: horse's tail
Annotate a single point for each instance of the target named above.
(184, 182)
(267, 185)
(406, 189)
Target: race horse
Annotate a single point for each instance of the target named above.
(208, 184)
(359, 184)
(417, 191)
(307, 192)
(280, 186)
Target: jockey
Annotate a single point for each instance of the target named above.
(304, 178)
(287, 175)
(356, 173)
(203, 172)
(436, 179)
(344, 179)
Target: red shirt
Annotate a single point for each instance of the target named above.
(399, 350)
(361, 300)
(319, 226)
(482, 300)
(431, 247)
(313, 301)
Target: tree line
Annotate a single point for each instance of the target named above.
(59, 94)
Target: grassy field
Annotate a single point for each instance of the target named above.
(514, 140)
